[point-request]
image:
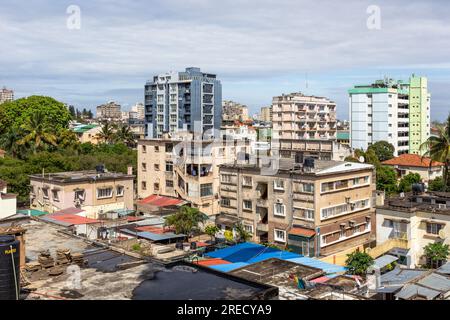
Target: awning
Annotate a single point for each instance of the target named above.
(304, 232)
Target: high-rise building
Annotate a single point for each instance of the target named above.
(189, 101)
(304, 126)
(394, 111)
(266, 114)
(109, 111)
(6, 95)
(232, 111)
(139, 109)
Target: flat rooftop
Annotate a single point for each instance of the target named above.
(428, 202)
(79, 176)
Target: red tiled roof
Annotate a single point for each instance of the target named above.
(212, 262)
(411, 160)
(72, 219)
(302, 232)
(161, 201)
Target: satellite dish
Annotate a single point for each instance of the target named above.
(442, 234)
(361, 159)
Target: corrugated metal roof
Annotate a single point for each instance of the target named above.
(161, 201)
(302, 232)
(436, 281)
(383, 261)
(153, 236)
(411, 290)
(32, 212)
(72, 210)
(70, 219)
(445, 268)
(328, 268)
(400, 276)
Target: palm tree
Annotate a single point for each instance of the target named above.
(438, 149)
(107, 133)
(8, 141)
(125, 135)
(37, 132)
(186, 221)
(243, 235)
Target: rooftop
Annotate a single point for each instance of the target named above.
(79, 176)
(427, 202)
(412, 160)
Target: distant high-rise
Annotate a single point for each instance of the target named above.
(109, 111)
(266, 114)
(6, 95)
(232, 111)
(189, 100)
(394, 111)
(139, 109)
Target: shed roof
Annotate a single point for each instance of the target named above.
(161, 201)
(70, 219)
(304, 232)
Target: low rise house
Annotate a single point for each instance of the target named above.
(412, 222)
(88, 133)
(414, 163)
(316, 209)
(95, 192)
(8, 201)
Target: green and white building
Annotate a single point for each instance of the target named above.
(393, 111)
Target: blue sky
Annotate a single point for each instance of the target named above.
(258, 48)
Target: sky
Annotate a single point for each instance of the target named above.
(257, 48)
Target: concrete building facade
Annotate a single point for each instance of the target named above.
(394, 111)
(318, 209)
(182, 101)
(304, 126)
(8, 201)
(92, 191)
(6, 95)
(109, 111)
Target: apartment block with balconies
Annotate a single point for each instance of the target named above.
(316, 209)
(305, 126)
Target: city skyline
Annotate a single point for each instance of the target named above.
(256, 54)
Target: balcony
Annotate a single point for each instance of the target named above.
(262, 203)
(263, 227)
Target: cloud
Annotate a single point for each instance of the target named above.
(258, 48)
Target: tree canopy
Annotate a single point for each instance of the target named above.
(407, 181)
(358, 262)
(383, 150)
(387, 180)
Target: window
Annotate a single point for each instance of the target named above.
(169, 183)
(45, 193)
(156, 148)
(327, 186)
(55, 195)
(144, 185)
(279, 209)
(247, 181)
(119, 191)
(308, 187)
(248, 228)
(156, 167)
(79, 195)
(434, 228)
(225, 202)
(226, 178)
(278, 185)
(279, 235)
(206, 190)
(144, 166)
(104, 193)
(169, 166)
(144, 149)
(308, 214)
(156, 186)
(247, 205)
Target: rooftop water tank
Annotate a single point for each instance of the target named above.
(9, 268)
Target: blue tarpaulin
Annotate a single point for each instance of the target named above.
(229, 266)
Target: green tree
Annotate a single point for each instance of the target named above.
(72, 112)
(211, 230)
(186, 221)
(438, 184)
(438, 149)
(125, 135)
(17, 113)
(358, 262)
(436, 254)
(242, 234)
(8, 142)
(383, 150)
(407, 181)
(387, 180)
(37, 133)
(107, 133)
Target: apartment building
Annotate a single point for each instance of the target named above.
(109, 111)
(188, 101)
(304, 126)
(413, 221)
(6, 95)
(394, 111)
(8, 201)
(139, 109)
(232, 111)
(95, 192)
(316, 209)
(186, 168)
(266, 114)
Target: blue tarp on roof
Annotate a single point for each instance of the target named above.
(329, 268)
(251, 253)
(227, 267)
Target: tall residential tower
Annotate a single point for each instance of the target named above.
(394, 111)
(189, 100)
